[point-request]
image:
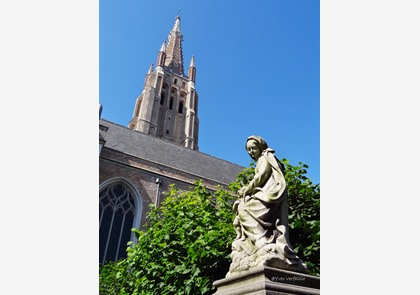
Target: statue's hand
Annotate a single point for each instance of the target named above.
(245, 191)
(235, 206)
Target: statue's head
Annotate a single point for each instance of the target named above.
(255, 145)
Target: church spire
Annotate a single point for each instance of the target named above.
(192, 63)
(191, 70)
(150, 70)
(177, 25)
(163, 47)
(161, 55)
(174, 58)
(167, 107)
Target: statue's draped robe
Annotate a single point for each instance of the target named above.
(261, 223)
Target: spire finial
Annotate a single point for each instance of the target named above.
(150, 69)
(163, 47)
(177, 23)
(192, 63)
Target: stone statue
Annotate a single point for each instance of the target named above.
(261, 223)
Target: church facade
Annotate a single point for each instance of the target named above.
(158, 148)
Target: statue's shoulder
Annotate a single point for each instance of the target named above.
(269, 155)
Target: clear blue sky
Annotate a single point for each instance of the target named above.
(257, 70)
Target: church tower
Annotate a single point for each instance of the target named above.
(167, 107)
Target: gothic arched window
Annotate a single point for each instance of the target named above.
(117, 211)
(171, 103)
(162, 98)
(181, 107)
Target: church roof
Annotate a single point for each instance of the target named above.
(154, 149)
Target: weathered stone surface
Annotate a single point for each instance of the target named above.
(261, 223)
(263, 260)
(268, 281)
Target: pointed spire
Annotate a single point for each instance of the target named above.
(161, 55)
(174, 58)
(163, 47)
(192, 63)
(150, 69)
(177, 25)
(192, 70)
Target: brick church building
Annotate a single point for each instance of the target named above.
(159, 147)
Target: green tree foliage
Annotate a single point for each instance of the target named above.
(184, 248)
(186, 244)
(304, 215)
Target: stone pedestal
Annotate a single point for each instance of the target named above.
(268, 281)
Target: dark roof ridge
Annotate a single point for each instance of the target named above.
(157, 150)
(169, 142)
